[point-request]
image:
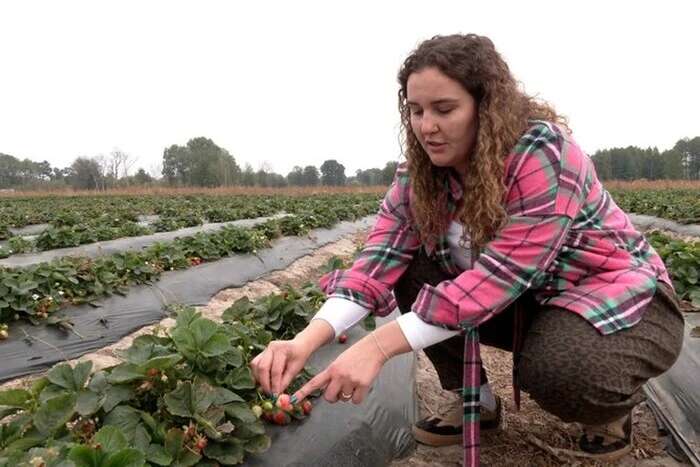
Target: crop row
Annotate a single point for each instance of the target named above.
(682, 259)
(181, 397)
(72, 228)
(62, 211)
(36, 292)
(680, 205)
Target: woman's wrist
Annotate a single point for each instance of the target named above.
(316, 334)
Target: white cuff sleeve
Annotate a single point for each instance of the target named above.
(341, 314)
(420, 334)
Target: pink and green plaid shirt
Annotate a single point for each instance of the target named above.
(565, 240)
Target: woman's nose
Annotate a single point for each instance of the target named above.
(428, 125)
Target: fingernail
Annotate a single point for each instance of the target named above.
(293, 399)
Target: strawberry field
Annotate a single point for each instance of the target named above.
(38, 291)
(183, 394)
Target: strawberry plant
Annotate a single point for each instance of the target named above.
(179, 398)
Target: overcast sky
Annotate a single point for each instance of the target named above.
(296, 83)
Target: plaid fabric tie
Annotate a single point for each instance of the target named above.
(471, 386)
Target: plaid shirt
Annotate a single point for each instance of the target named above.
(565, 240)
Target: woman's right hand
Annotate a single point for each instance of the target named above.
(276, 366)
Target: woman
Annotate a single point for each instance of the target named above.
(496, 228)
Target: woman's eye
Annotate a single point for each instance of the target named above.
(444, 111)
(416, 112)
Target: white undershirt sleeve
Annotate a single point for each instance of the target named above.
(341, 314)
(420, 334)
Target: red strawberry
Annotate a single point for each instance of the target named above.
(280, 418)
(152, 372)
(201, 443)
(306, 406)
(284, 402)
(343, 338)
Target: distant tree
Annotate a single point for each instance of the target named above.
(200, 163)
(142, 177)
(388, 172)
(296, 176)
(85, 174)
(332, 173)
(248, 176)
(674, 167)
(310, 176)
(690, 150)
(369, 177)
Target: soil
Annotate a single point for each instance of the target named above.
(530, 437)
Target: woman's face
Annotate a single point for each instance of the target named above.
(444, 117)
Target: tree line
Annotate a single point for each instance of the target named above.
(682, 162)
(199, 163)
(202, 163)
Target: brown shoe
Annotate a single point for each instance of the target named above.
(445, 430)
(608, 442)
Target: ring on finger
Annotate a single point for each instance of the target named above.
(345, 397)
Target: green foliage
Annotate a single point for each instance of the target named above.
(178, 398)
(682, 260)
(36, 292)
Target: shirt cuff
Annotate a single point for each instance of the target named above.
(420, 334)
(341, 314)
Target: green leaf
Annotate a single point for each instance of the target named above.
(202, 337)
(241, 378)
(230, 453)
(51, 391)
(156, 454)
(124, 458)
(125, 418)
(39, 385)
(111, 438)
(70, 378)
(186, 400)
(115, 395)
(237, 311)
(233, 357)
(141, 438)
(16, 398)
(54, 413)
(125, 373)
(85, 456)
(87, 403)
(258, 444)
(162, 362)
(224, 396)
(240, 411)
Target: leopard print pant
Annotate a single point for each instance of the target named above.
(565, 364)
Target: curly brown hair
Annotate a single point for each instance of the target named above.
(503, 113)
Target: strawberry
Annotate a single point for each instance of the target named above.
(306, 406)
(284, 402)
(201, 443)
(257, 410)
(280, 418)
(152, 372)
(343, 338)
(267, 406)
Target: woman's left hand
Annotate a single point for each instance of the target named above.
(350, 376)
